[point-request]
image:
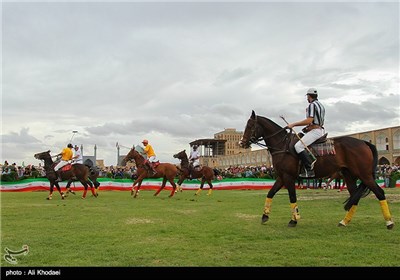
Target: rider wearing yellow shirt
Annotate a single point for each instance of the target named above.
(151, 155)
(66, 155)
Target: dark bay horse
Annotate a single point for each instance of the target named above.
(355, 159)
(94, 173)
(79, 171)
(167, 171)
(206, 173)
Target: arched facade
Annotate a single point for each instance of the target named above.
(387, 141)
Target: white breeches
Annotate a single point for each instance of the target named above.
(308, 139)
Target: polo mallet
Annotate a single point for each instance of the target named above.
(308, 150)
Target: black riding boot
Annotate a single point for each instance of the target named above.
(308, 164)
(190, 172)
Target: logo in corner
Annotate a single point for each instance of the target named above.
(10, 254)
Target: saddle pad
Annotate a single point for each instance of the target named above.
(323, 149)
(66, 167)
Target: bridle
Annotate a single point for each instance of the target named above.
(274, 150)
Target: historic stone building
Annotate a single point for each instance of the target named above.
(223, 150)
(387, 142)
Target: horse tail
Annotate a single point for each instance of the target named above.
(362, 189)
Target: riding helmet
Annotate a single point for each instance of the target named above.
(312, 92)
(195, 147)
(70, 145)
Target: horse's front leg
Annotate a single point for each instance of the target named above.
(59, 190)
(135, 191)
(50, 197)
(290, 185)
(179, 183)
(268, 201)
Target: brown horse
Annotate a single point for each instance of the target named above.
(79, 171)
(355, 159)
(93, 175)
(167, 171)
(206, 173)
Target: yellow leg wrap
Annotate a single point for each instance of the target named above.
(209, 191)
(267, 206)
(349, 215)
(198, 191)
(295, 211)
(385, 210)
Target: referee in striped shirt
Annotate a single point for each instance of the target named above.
(314, 129)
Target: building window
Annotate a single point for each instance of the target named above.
(381, 143)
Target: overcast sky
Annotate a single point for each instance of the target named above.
(176, 72)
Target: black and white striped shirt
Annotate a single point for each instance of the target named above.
(317, 111)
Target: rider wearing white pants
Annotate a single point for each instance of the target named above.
(314, 122)
(194, 160)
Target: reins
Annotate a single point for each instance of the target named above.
(271, 148)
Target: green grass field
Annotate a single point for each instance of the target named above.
(224, 229)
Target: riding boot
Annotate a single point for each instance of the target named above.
(308, 164)
(152, 168)
(58, 173)
(190, 172)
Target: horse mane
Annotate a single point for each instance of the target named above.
(137, 156)
(277, 126)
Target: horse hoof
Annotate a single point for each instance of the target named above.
(341, 224)
(390, 225)
(83, 197)
(264, 219)
(49, 198)
(292, 223)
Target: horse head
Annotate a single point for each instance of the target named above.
(251, 133)
(261, 128)
(181, 155)
(133, 154)
(42, 155)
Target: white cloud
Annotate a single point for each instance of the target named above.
(176, 72)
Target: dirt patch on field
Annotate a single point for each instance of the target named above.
(135, 221)
(187, 211)
(391, 197)
(246, 216)
(318, 197)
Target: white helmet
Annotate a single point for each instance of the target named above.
(312, 91)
